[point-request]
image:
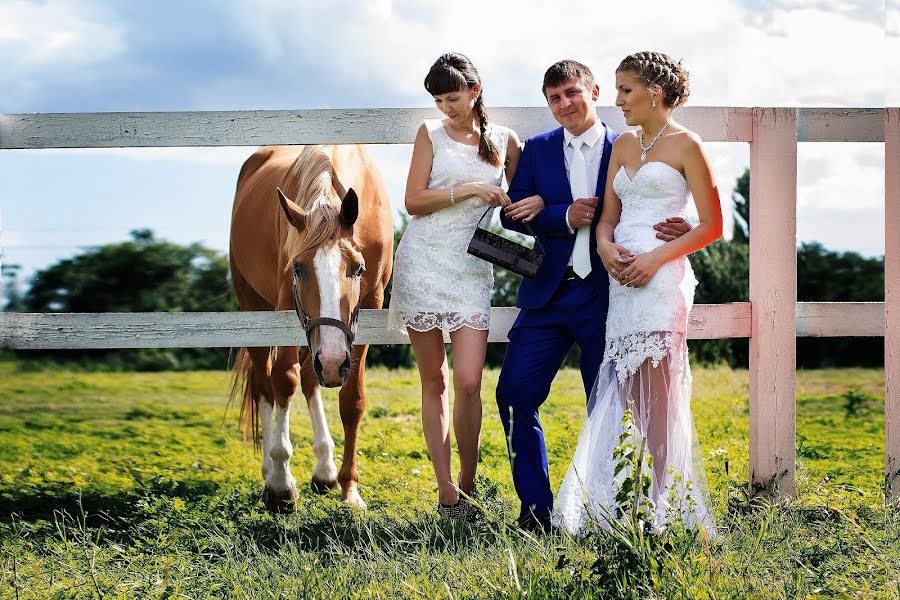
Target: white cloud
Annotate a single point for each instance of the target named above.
(892, 42)
(57, 34)
(510, 43)
(840, 197)
(807, 57)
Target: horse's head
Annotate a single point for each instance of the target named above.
(327, 269)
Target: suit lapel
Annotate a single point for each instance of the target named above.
(558, 162)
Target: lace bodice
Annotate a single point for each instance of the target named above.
(436, 282)
(657, 191)
(455, 163)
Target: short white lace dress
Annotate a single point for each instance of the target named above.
(437, 284)
(645, 369)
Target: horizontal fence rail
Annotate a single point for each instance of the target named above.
(59, 331)
(772, 133)
(378, 126)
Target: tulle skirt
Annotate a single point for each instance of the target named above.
(639, 419)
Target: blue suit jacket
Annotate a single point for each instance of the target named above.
(542, 172)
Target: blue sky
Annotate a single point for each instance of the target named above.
(88, 55)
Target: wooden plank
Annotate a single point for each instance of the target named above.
(892, 305)
(211, 330)
(773, 295)
(840, 319)
(33, 331)
(840, 124)
(320, 126)
(378, 126)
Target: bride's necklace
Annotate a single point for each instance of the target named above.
(646, 149)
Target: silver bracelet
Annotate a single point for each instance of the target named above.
(452, 199)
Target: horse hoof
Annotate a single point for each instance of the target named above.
(280, 503)
(355, 500)
(321, 486)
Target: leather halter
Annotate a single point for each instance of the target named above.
(308, 324)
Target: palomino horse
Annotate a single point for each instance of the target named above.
(300, 242)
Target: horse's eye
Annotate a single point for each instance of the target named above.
(360, 271)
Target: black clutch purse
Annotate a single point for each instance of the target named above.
(505, 253)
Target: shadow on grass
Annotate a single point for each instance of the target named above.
(97, 503)
(192, 510)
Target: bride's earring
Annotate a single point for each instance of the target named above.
(654, 103)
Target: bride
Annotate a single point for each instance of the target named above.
(642, 393)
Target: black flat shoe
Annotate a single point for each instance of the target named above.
(455, 512)
(533, 523)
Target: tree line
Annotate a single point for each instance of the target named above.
(147, 274)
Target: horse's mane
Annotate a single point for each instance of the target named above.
(313, 172)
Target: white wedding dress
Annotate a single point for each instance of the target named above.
(645, 369)
(437, 284)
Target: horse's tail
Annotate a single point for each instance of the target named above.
(243, 385)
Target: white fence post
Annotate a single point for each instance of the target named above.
(892, 304)
(773, 299)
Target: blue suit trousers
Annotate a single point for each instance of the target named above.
(539, 341)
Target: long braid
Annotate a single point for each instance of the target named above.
(487, 150)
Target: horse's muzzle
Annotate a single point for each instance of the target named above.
(330, 374)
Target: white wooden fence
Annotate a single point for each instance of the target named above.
(772, 319)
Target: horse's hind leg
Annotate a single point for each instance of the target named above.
(324, 475)
(281, 487)
(262, 394)
(280, 491)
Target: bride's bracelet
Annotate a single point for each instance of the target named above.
(452, 199)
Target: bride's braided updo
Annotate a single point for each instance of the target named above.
(660, 72)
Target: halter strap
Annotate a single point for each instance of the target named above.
(310, 324)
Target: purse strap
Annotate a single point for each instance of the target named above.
(530, 230)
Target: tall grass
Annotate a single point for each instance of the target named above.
(139, 486)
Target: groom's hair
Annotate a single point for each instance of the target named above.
(567, 70)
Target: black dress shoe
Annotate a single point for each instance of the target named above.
(533, 523)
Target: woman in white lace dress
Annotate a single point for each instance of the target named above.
(653, 172)
(455, 177)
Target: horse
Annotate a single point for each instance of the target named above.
(302, 241)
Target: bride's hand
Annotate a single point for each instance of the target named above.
(615, 258)
(490, 194)
(641, 270)
(525, 209)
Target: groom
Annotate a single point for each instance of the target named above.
(567, 301)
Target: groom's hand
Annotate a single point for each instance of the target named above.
(581, 212)
(671, 228)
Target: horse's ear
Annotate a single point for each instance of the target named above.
(295, 215)
(349, 209)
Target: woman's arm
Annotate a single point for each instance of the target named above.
(422, 201)
(699, 176)
(610, 252)
(525, 209)
(513, 154)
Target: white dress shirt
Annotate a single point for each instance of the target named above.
(592, 149)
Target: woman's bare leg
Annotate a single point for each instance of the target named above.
(469, 347)
(428, 348)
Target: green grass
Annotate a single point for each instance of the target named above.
(139, 486)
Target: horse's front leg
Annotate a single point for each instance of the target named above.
(324, 475)
(281, 487)
(352, 404)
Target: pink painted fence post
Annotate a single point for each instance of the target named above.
(892, 304)
(773, 297)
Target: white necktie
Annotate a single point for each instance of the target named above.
(581, 253)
